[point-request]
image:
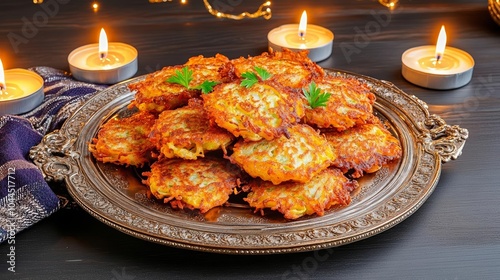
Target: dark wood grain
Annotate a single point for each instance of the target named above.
(454, 235)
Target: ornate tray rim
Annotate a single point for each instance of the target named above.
(61, 156)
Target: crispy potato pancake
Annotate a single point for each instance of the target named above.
(290, 69)
(350, 104)
(299, 157)
(294, 200)
(263, 111)
(155, 94)
(196, 184)
(124, 141)
(186, 132)
(364, 148)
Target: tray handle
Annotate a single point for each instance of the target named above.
(447, 140)
(54, 157)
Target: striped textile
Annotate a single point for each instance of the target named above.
(25, 197)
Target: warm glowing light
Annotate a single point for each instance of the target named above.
(95, 6)
(103, 44)
(303, 26)
(391, 4)
(2, 78)
(441, 44)
(263, 11)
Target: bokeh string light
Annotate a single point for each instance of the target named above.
(390, 4)
(95, 7)
(264, 11)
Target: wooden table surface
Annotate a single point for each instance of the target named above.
(454, 235)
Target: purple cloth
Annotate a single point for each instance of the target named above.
(25, 197)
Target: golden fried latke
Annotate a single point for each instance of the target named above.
(262, 111)
(196, 184)
(290, 69)
(155, 94)
(350, 104)
(299, 157)
(364, 148)
(186, 132)
(124, 141)
(294, 200)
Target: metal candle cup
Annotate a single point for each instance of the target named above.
(297, 37)
(437, 67)
(86, 64)
(454, 70)
(22, 91)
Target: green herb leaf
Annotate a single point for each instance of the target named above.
(249, 79)
(207, 86)
(315, 97)
(182, 78)
(264, 75)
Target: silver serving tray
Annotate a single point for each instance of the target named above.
(115, 196)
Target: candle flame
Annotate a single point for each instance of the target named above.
(103, 44)
(441, 44)
(2, 78)
(303, 25)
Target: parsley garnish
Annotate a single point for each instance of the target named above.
(315, 97)
(185, 76)
(207, 86)
(251, 78)
(264, 75)
(182, 78)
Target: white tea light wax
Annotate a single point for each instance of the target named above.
(21, 90)
(437, 67)
(103, 63)
(296, 37)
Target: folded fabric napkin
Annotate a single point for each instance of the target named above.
(25, 197)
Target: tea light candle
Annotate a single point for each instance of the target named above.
(21, 90)
(437, 67)
(103, 63)
(296, 37)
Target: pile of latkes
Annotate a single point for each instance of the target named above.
(275, 128)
